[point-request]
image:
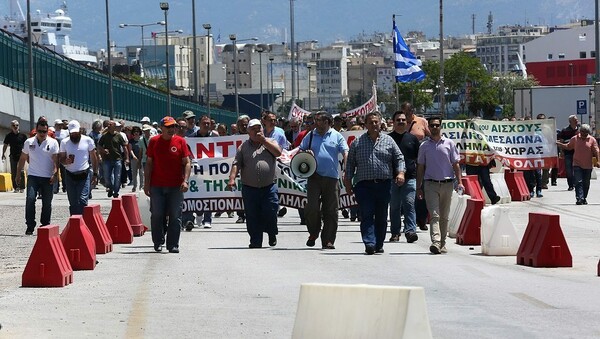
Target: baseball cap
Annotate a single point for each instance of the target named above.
(188, 114)
(58, 121)
(253, 122)
(146, 127)
(145, 119)
(155, 124)
(74, 126)
(168, 121)
(117, 124)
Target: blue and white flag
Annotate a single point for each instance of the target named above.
(407, 66)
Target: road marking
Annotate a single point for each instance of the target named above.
(139, 308)
(533, 301)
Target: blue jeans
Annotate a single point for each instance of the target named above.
(112, 174)
(43, 186)
(261, 206)
(402, 202)
(166, 202)
(582, 178)
(569, 169)
(78, 192)
(373, 199)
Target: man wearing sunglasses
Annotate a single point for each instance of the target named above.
(15, 139)
(166, 178)
(402, 201)
(42, 154)
(437, 168)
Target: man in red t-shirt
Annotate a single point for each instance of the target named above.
(166, 178)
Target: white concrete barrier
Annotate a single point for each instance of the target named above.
(361, 311)
(144, 206)
(500, 187)
(498, 234)
(458, 205)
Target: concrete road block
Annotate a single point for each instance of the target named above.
(458, 205)
(500, 187)
(361, 311)
(498, 234)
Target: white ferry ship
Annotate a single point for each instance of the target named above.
(51, 30)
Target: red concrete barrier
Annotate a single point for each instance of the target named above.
(118, 224)
(516, 186)
(543, 243)
(48, 265)
(97, 226)
(132, 210)
(79, 244)
(472, 188)
(469, 231)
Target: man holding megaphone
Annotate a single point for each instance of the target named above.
(323, 190)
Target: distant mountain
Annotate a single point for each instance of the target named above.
(324, 20)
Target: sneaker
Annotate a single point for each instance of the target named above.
(134, 189)
(531, 194)
(443, 250)
(370, 250)
(311, 241)
(157, 248)
(174, 250)
(395, 238)
(345, 213)
(255, 246)
(434, 249)
(240, 220)
(328, 246)
(29, 232)
(379, 250)
(584, 201)
(15, 190)
(229, 214)
(206, 224)
(539, 194)
(352, 218)
(411, 237)
(189, 226)
(579, 202)
(115, 195)
(109, 193)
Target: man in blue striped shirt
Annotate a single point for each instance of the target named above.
(374, 160)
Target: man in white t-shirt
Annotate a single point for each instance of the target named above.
(42, 154)
(75, 154)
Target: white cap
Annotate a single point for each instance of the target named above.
(58, 121)
(117, 124)
(155, 124)
(253, 122)
(74, 126)
(145, 119)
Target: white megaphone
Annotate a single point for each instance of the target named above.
(303, 165)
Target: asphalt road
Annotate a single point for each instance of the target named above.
(218, 288)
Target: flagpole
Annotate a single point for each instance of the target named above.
(396, 80)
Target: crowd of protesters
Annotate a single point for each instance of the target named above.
(402, 165)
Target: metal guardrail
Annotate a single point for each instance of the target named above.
(85, 88)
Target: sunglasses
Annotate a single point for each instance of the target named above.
(42, 131)
(400, 120)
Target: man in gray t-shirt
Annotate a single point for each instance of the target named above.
(256, 159)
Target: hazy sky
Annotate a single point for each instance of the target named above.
(323, 20)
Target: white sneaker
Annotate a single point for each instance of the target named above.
(206, 224)
(15, 190)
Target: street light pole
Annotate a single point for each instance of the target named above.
(232, 37)
(195, 46)
(165, 7)
(260, 51)
(272, 96)
(30, 57)
(292, 51)
(142, 52)
(207, 27)
(309, 89)
(111, 107)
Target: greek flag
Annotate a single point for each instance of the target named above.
(407, 66)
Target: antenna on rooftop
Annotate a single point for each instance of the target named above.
(490, 22)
